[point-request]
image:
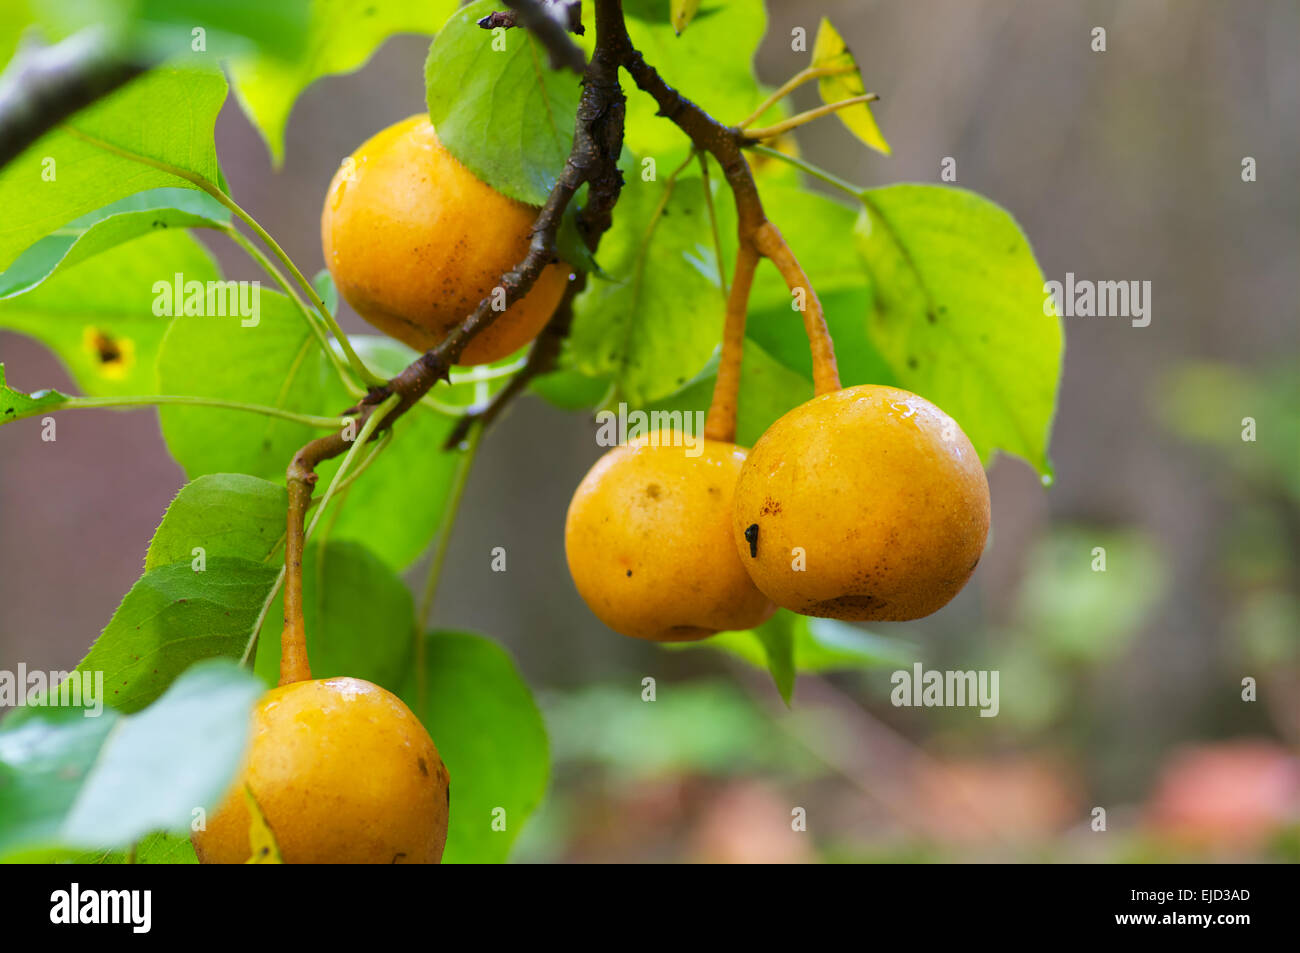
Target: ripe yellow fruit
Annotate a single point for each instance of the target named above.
(864, 503)
(648, 540)
(414, 242)
(343, 773)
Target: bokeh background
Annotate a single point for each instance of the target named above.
(1120, 690)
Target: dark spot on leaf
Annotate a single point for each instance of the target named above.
(929, 316)
(911, 362)
(106, 349)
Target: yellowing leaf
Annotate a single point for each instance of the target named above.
(682, 13)
(260, 838)
(830, 52)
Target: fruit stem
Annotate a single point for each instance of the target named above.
(294, 666)
(826, 375)
(721, 422)
(300, 480)
(794, 122)
(790, 85)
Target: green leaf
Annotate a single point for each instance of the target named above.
(174, 617)
(358, 615)
(341, 36)
(227, 514)
(830, 51)
(570, 390)
(163, 848)
(809, 645)
(776, 635)
(150, 30)
(98, 316)
(108, 227)
(823, 645)
(278, 363)
(657, 322)
(182, 610)
(490, 735)
(958, 314)
(166, 115)
(713, 62)
(74, 780)
(275, 29)
(15, 405)
(504, 112)
(15, 18)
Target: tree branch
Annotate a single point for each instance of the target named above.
(549, 30)
(593, 160)
(44, 85)
(542, 359)
(726, 143)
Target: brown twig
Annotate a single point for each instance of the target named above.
(593, 160)
(542, 359)
(550, 32)
(725, 143)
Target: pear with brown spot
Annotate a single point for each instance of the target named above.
(867, 503)
(648, 541)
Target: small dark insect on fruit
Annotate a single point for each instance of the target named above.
(751, 537)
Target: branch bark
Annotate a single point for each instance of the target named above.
(44, 85)
(550, 32)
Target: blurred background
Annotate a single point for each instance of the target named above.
(1120, 690)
